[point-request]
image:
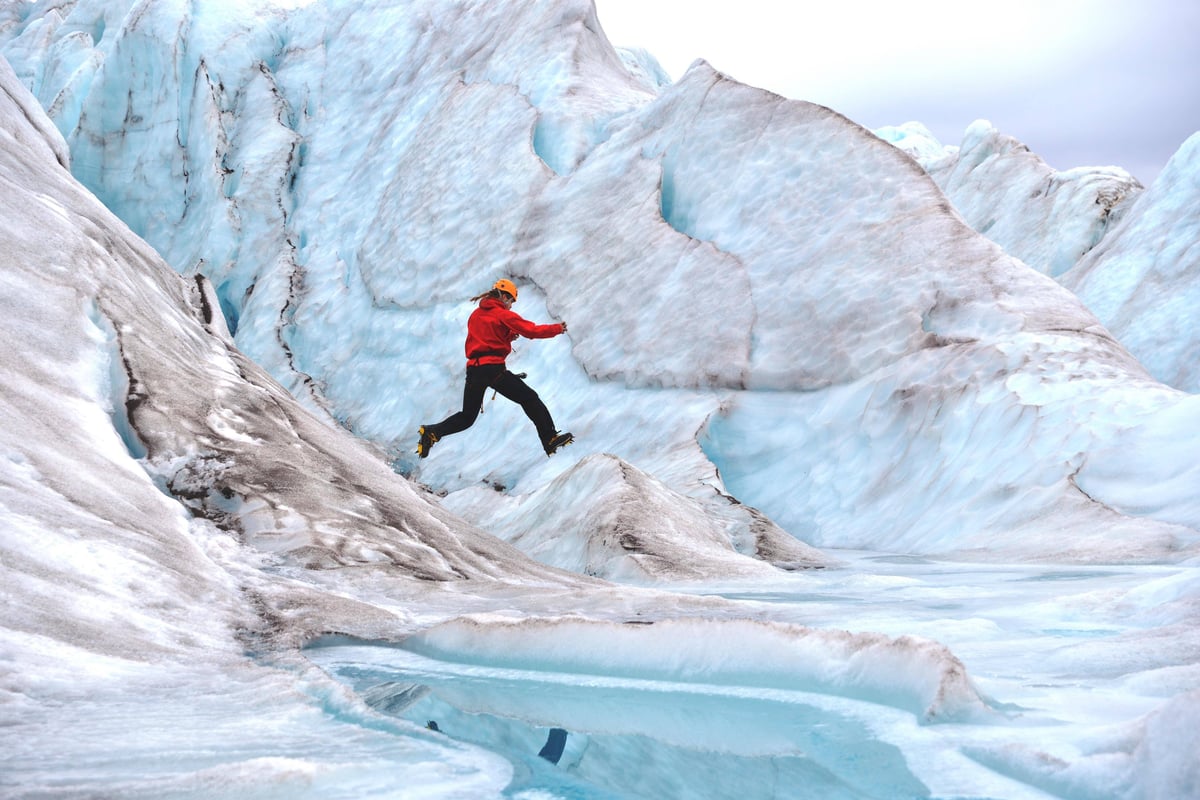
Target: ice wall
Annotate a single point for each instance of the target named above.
(1046, 217)
(1143, 281)
(1137, 275)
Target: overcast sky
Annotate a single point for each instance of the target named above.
(1081, 82)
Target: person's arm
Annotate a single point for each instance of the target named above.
(530, 330)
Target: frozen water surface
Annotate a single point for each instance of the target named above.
(1056, 661)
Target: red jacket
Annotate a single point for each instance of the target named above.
(492, 328)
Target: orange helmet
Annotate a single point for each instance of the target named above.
(506, 286)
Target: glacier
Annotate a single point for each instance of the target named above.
(886, 451)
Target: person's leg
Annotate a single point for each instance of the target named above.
(478, 379)
(519, 392)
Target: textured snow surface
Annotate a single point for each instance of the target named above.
(845, 466)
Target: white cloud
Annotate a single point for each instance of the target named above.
(1084, 80)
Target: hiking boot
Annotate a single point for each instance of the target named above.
(556, 441)
(428, 440)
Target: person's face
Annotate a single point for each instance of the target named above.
(507, 299)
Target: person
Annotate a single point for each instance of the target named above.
(491, 330)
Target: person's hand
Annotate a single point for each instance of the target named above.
(564, 327)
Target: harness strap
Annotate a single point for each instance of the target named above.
(478, 354)
(492, 386)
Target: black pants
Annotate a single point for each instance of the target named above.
(496, 376)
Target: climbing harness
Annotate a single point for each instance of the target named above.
(483, 405)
